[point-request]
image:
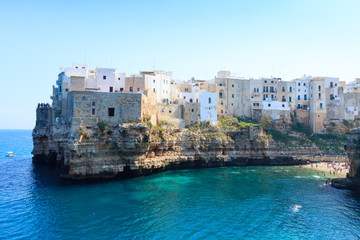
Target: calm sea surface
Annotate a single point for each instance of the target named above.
(219, 203)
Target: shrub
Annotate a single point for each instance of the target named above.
(80, 131)
(347, 123)
(101, 125)
(87, 135)
(301, 128)
(265, 122)
(149, 124)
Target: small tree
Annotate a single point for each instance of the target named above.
(101, 125)
(266, 122)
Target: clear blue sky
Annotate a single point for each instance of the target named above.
(251, 38)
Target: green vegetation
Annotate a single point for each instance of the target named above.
(234, 124)
(266, 122)
(280, 136)
(299, 127)
(331, 142)
(101, 125)
(165, 123)
(200, 126)
(87, 136)
(348, 123)
(80, 131)
(149, 124)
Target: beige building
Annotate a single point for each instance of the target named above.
(317, 116)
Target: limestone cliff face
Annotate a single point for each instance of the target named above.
(130, 150)
(352, 181)
(353, 151)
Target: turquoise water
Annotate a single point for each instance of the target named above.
(219, 203)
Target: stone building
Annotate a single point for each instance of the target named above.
(317, 116)
(86, 108)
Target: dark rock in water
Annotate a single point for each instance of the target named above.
(352, 180)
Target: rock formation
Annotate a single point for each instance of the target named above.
(136, 149)
(352, 181)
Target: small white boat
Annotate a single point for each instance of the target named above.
(10, 154)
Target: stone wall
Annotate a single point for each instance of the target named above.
(173, 113)
(44, 116)
(126, 107)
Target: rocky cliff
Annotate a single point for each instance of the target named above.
(130, 150)
(352, 181)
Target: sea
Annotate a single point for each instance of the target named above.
(263, 202)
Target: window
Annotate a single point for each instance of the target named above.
(209, 100)
(138, 89)
(290, 90)
(289, 99)
(269, 105)
(119, 79)
(222, 103)
(220, 84)
(321, 105)
(331, 84)
(272, 81)
(66, 90)
(305, 107)
(220, 95)
(111, 89)
(335, 84)
(121, 89)
(104, 77)
(332, 97)
(154, 90)
(93, 111)
(304, 96)
(283, 89)
(111, 112)
(192, 110)
(154, 81)
(191, 100)
(319, 95)
(299, 84)
(169, 111)
(257, 90)
(319, 88)
(131, 89)
(265, 81)
(232, 85)
(59, 88)
(254, 89)
(93, 104)
(283, 105)
(299, 106)
(271, 89)
(232, 95)
(184, 97)
(298, 97)
(222, 111)
(304, 84)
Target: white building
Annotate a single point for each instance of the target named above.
(158, 81)
(302, 92)
(207, 100)
(79, 77)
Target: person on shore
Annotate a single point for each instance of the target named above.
(326, 182)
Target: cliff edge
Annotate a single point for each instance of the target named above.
(352, 181)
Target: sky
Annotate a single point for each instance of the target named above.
(252, 38)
